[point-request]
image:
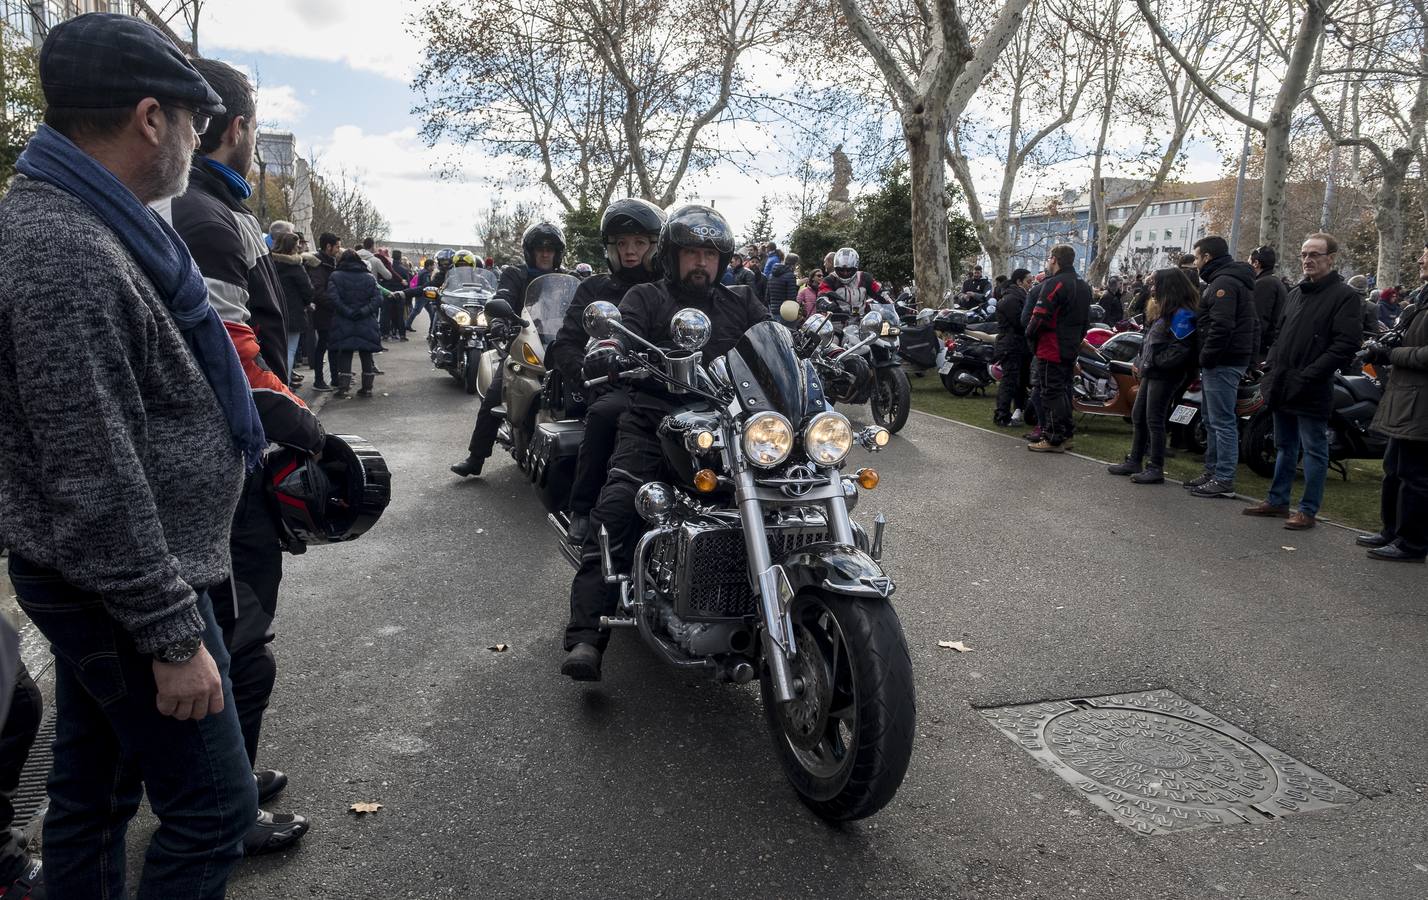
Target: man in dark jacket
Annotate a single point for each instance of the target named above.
(976, 282)
(543, 246)
(329, 249)
(1055, 329)
(1320, 333)
(244, 288)
(1113, 301)
(1403, 416)
(1269, 297)
(783, 284)
(693, 248)
(1229, 328)
(629, 229)
(1011, 348)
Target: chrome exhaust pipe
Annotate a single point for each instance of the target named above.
(741, 672)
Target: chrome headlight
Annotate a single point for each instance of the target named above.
(828, 438)
(462, 318)
(768, 439)
(481, 321)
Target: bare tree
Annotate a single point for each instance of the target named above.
(1039, 93)
(1391, 78)
(1298, 54)
(501, 228)
(929, 70)
(342, 207)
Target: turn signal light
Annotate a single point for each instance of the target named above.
(529, 355)
(705, 480)
(867, 479)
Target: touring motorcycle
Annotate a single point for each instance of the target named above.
(858, 363)
(459, 327)
(752, 567)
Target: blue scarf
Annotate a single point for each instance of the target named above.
(237, 184)
(52, 158)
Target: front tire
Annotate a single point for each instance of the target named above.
(892, 398)
(957, 388)
(845, 743)
(471, 370)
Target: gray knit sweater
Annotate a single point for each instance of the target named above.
(116, 465)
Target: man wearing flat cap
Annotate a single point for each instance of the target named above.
(126, 429)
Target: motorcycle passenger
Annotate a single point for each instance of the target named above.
(1056, 326)
(462, 271)
(862, 286)
(694, 248)
(1011, 349)
(629, 229)
(543, 246)
(444, 260)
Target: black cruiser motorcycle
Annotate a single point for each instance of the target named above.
(751, 566)
(459, 326)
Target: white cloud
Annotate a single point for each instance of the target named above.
(366, 36)
(278, 104)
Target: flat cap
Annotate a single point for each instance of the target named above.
(106, 60)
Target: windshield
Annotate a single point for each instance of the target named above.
(779, 381)
(547, 299)
(465, 282)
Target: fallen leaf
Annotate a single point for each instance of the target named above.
(1290, 549)
(360, 807)
(954, 645)
(498, 648)
(480, 531)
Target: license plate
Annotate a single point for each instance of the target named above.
(944, 368)
(1183, 414)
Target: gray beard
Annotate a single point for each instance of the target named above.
(169, 175)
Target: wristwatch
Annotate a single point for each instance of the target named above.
(179, 651)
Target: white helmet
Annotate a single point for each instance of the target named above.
(845, 258)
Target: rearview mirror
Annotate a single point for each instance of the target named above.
(499, 309)
(689, 328)
(600, 318)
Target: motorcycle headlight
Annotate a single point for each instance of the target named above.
(481, 321)
(828, 438)
(462, 318)
(768, 439)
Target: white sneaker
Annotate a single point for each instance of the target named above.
(1016, 417)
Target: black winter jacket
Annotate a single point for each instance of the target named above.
(1229, 321)
(782, 286)
(1321, 331)
(1059, 317)
(356, 302)
(513, 284)
(297, 290)
(321, 295)
(1269, 297)
(1011, 331)
(567, 352)
(1403, 411)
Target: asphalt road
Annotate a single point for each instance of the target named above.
(499, 778)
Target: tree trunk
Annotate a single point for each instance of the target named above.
(1276, 181)
(1388, 217)
(925, 130)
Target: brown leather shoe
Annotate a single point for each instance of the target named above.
(1265, 509)
(1299, 522)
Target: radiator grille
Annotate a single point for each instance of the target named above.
(715, 566)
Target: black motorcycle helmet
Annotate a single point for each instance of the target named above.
(444, 258)
(543, 234)
(327, 501)
(690, 226)
(631, 216)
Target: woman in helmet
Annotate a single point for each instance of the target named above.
(543, 246)
(629, 230)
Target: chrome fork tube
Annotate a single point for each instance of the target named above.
(778, 628)
(838, 519)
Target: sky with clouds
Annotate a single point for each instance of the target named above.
(337, 74)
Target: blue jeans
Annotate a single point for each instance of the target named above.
(293, 340)
(112, 745)
(1220, 386)
(1292, 432)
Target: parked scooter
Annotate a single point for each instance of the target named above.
(459, 326)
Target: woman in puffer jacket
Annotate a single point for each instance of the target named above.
(357, 305)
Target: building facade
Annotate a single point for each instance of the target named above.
(32, 19)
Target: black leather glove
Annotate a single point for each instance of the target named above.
(1377, 354)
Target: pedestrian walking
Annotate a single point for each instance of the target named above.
(357, 304)
(1229, 333)
(126, 425)
(1402, 415)
(1168, 353)
(1320, 334)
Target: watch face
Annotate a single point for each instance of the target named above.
(179, 651)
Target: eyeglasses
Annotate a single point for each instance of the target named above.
(1313, 254)
(200, 121)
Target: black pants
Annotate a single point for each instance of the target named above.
(1011, 393)
(1149, 416)
(602, 423)
(26, 709)
(483, 436)
(637, 459)
(320, 356)
(246, 617)
(1054, 379)
(342, 362)
(1404, 497)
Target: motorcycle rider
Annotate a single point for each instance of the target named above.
(862, 286)
(543, 245)
(583, 271)
(444, 261)
(629, 229)
(694, 249)
(462, 271)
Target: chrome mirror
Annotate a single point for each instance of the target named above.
(600, 318)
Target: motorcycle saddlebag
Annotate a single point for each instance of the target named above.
(919, 345)
(554, 441)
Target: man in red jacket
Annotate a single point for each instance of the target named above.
(1057, 324)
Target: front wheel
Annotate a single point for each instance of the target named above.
(955, 386)
(892, 397)
(846, 741)
(471, 370)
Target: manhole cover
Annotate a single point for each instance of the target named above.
(1158, 763)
